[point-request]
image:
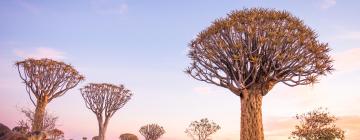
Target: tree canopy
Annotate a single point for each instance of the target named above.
(317, 125)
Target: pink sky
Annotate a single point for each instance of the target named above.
(143, 45)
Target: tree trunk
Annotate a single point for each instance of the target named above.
(39, 115)
(101, 128)
(251, 116)
(105, 127)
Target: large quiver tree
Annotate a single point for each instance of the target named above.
(104, 100)
(250, 51)
(45, 80)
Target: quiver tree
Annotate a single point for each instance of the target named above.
(128, 136)
(201, 130)
(45, 80)
(250, 51)
(152, 131)
(104, 100)
(317, 125)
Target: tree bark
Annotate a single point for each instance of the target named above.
(251, 116)
(102, 127)
(39, 114)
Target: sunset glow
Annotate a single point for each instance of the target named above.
(144, 46)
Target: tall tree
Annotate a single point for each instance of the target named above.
(201, 130)
(152, 131)
(250, 51)
(317, 125)
(46, 79)
(104, 100)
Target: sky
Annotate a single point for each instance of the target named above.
(143, 45)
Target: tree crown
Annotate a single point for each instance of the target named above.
(105, 98)
(257, 48)
(47, 78)
(202, 129)
(317, 125)
(152, 131)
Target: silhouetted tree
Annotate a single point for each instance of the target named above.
(84, 138)
(250, 51)
(317, 125)
(152, 131)
(46, 79)
(55, 134)
(201, 130)
(128, 136)
(104, 100)
(49, 120)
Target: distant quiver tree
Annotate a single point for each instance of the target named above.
(152, 131)
(201, 130)
(45, 80)
(104, 100)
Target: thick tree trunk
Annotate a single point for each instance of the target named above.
(251, 116)
(39, 115)
(102, 127)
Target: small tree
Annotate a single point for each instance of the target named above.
(201, 130)
(49, 120)
(22, 129)
(250, 51)
(46, 79)
(128, 136)
(55, 134)
(152, 131)
(104, 100)
(317, 125)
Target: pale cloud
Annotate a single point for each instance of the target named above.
(32, 8)
(109, 7)
(326, 4)
(347, 61)
(349, 35)
(41, 52)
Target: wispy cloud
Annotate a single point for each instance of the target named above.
(109, 7)
(326, 4)
(41, 52)
(349, 35)
(30, 7)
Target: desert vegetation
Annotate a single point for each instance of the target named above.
(152, 131)
(201, 130)
(250, 51)
(247, 52)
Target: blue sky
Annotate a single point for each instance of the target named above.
(143, 45)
